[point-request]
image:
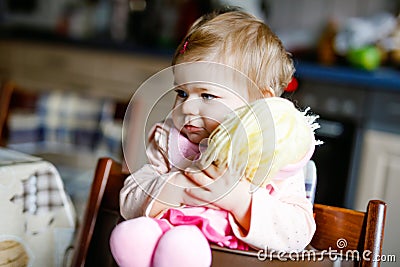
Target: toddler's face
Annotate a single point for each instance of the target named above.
(200, 107)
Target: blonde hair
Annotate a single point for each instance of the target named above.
(243, 42)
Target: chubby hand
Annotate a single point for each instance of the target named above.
(219, 187)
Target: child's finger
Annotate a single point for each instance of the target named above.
(198, 177)
(214, 172)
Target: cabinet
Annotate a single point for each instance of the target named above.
(379, 178)
(380, 163)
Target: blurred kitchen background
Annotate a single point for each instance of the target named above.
(74, 65)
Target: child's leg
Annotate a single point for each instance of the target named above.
(133, 241)
(182, 246)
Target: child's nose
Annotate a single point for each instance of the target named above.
(191, 106)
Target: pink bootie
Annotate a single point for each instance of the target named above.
(182, 246)
(133, 242)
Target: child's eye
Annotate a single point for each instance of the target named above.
(181, 93)
(208, 96)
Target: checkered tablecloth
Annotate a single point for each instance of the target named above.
(41, 192)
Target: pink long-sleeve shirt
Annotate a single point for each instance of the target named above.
(281, 215)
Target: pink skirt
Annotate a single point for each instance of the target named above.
(214, 224)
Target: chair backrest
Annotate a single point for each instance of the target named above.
(101, 215)
(360, 231)
(350, 230)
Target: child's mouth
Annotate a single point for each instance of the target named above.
(192, 129)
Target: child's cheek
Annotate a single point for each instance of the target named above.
(212, 123)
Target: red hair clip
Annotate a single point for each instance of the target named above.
(292, 86)
(184, 47)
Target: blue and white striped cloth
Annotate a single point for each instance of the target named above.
(69, 118)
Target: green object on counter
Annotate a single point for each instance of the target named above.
(367, 58)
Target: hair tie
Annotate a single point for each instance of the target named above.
(184, 47)
(292, 86)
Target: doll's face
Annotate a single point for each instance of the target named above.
(200, 106)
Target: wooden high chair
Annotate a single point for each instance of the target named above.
(352, 231)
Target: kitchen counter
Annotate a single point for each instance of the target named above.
(382, 78)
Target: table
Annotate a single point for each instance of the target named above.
(37, 218)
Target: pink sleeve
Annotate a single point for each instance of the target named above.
(142, 186)
(282, 220)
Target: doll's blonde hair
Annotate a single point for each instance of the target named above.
(261, 139)
(243, 42)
